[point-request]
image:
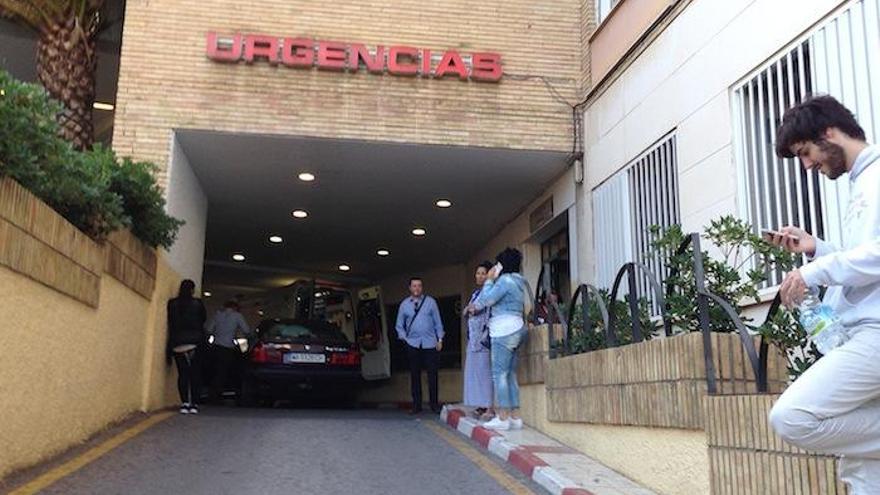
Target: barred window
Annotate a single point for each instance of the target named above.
(627, 205)
(834, 59)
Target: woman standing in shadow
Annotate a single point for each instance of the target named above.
(186, 323)
(478, 364)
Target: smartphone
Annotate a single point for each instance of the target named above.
(768, 235)
(498, 267)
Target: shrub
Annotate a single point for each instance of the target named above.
(91, 189)
(746, 261)
(593, 338)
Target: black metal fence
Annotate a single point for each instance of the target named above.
(757, 356)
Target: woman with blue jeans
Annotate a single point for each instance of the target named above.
(504, 293)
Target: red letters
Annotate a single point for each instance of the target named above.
(258, 45)
(451, 62)
(400, 60)
(359, 52)
(403, 68)
(331, 55)
(224, 52)
(486, 67)
(298, 52)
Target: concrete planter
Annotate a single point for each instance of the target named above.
(747, 458)
(658, 383)
(37, 242)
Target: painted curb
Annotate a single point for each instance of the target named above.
(526, 462)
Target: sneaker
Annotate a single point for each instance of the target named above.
(194, 409)
(497, 424)
(516, 423)
(184, 408)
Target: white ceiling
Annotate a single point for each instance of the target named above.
(368, 195)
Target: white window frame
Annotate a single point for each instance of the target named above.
(643, 193)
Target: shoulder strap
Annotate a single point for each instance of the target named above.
(418, 308)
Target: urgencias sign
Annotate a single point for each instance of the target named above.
(307, 53)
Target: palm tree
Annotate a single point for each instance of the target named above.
(66, 57)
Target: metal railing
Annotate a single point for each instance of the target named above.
(757, 357)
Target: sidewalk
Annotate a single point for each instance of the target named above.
(559, 469)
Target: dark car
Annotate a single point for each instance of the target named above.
(294, 357)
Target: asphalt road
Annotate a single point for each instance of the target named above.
(265, 451)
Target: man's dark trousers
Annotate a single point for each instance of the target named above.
(427, 359)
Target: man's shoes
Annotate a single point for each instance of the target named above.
(193, 409)
(516, 423)
(184, 408)
(415, 411)
(436, 409)
(498, 424)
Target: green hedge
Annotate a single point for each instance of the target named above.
(93, 189)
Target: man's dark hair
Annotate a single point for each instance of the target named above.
(231, 304)
(187, 289)
(485, 264)
(809, 119)
(510, 259)
(413, 279)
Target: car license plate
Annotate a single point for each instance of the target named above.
(300, 357)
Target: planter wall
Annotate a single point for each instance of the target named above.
(533, 356)
(747, 458)
(659, 383)
(37, 242)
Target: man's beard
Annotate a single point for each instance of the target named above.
(835, 158)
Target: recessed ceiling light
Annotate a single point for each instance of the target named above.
(276, 239)
(238, 257)
(102, 106)
(383, 252)
(419, 231)
(300, 213)
(443, 203)
(306, 177)
(344, 268)
(207, 293)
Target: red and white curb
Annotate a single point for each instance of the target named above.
(522, 458)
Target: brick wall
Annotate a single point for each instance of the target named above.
(166, 81)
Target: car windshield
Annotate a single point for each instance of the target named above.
(294, 331)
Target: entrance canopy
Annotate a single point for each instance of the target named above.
(366, 196)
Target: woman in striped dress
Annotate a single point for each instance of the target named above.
(478, 391)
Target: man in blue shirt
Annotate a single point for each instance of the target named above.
(419, 325)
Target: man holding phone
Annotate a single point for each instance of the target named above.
(834, 408)
(419, 325)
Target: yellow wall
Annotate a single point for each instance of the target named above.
(669, 461)
(69, 370)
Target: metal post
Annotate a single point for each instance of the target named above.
(635, 324)
(703, 313)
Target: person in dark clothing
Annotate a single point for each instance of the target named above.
(186, 323)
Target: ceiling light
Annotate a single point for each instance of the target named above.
(443, 203)
(306, 177)
(419, 231)
(102, 106)
(207, 293)
(300, 213)
(383, 252)
(344, 268)
(276, 239)
(238, 257)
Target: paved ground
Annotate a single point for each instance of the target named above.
(265, 451)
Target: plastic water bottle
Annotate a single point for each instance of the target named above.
(821, 322)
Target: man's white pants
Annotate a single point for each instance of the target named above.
(834, 408)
